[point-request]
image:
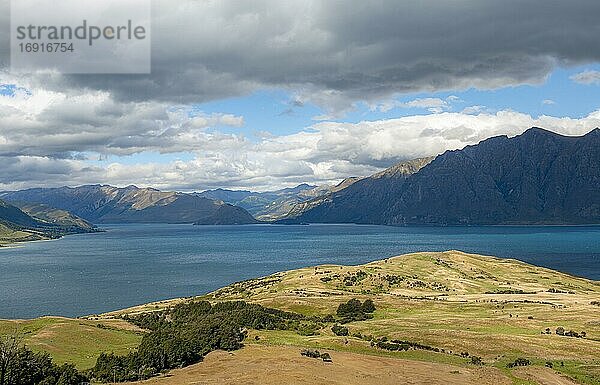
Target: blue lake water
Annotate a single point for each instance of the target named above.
(134, 264)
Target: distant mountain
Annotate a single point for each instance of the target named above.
(228, 215)
(51, 215)
(538, 177)
(358, 200)
(18, 225)
(107, 204)
(273, 205)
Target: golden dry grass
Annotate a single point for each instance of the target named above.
(262, 365)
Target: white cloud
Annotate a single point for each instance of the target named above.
(548, 102)
(476, 109)
(434, 105)
(62, 124)
(324, 153)
(587, 77)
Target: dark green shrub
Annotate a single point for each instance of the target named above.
(519, 362)
(339, 330)
(354, 310)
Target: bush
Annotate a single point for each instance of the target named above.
(519, 362)
(368, 306)
(316, 354)
(354, 310)
(310, 353)
(339, 330)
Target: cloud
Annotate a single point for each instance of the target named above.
(323, 153)
(472, 110)
(587, 77)
(548, 102)
(434, 105)
(63, 124)
(338, 53)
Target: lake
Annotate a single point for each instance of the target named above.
(133, 264)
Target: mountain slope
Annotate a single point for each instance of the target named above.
(538, 177)
(360, 201)
(106, 204)
(17, 225)
(228, 215)
(51, 215)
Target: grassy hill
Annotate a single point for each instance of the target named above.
(452, 308)
(496, 309)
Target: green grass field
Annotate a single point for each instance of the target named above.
(76, 341)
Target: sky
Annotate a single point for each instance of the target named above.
(268, 94)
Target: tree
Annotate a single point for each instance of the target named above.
(326, 357)
(9, 351)
(354, 310)
(368, 306)
(339, 330)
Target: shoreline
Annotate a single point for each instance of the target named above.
(159, 303)
(46, 239)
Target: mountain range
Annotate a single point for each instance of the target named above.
(273, 205)
(539, 177)
(108, 204)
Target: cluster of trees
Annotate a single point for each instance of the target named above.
(184, 334)
(177, 337)
(562, 332)
(340, 330)
(316, 354)
(510, 291)
(21, 366)
(519, 362)
(400, 345)
(353, 279)
(169, 347)
(354, 310)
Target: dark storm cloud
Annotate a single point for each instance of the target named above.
(338, 52)
(331, 53)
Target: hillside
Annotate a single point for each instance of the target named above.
(37, 222)
(538, 177)
(54, 216)
(359, 200)
(107, 204)
(452, 305)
